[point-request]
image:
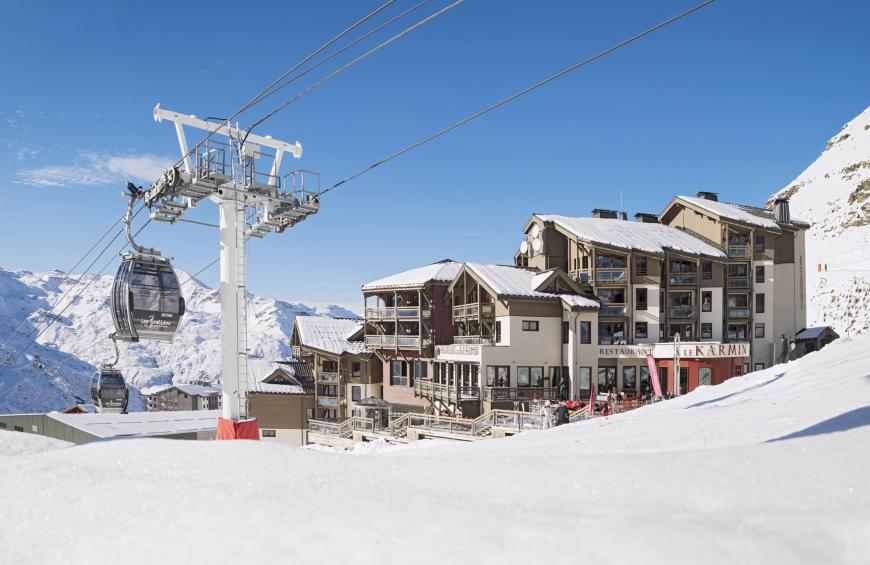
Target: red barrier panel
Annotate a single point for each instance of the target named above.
(247, 429)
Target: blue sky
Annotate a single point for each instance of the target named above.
(737, 99)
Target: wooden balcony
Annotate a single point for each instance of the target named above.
(504, 393)
(327, 401)
(472, 340)
(392, 313)
(473, 311)
(327, 378)
(450, 393)
(738, 251)
(396, 341)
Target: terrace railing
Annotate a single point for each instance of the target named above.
(502, 394)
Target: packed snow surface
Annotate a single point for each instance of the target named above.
(652, 238)
(766, 468)
(56, 371)
(833, 193)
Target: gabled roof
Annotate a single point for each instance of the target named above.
(749, 215)
(261, 373)
(189, 389)
(330, 335)
(441, 271)
(510, 281)
(633, 236)
(809, 334)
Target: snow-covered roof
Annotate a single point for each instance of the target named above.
(575, 301)
(190, 389)
(441, 271)
(140, 424)
(751, 215)
(507, 280)
(259, 371)
(329, 334)
(640, 236)
(811, 333)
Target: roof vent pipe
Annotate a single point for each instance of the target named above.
(781, 211)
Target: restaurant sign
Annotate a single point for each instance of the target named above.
(688, 350)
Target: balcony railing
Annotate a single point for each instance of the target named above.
(683, 279)
(472, 340)
(738, 251)
(739, 313)
(469, 349)
(327, 401)
(610, 275)
(412, 342)
(738, 283)
(503, 393)
(473, 310)
(327, 378)
(611, 340)
(438, 391)
(396, 313)
(612, 310)
(683, 312)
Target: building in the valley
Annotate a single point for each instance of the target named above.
(88, 427)
(812, 339)
(181, 397)
(407, 315)
(343, 369)
(281, 396)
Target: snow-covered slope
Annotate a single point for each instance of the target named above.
(59, 366)
(834, 194)
(766, 468)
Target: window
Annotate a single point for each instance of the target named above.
(706, 331)
(677, 299)
(759, 243)
(684, 380)
(629, 380)
(537, 374)
(738, 269)
(611, 333)
(399, 373)
(329, 366)
(566, 329)
(422, 369)
(606, 379)
(522, 376)
(610, 262)
(759, 366)
(585, 332)
(640, 298)
(585, 262)
(736, 331)
(530, 325)
(356, 393)
(706, 301)
(18, 428)
(355, 369)
(309, 413)
(645, 386)
(268, 433)
(759, 303)
(738, 370)
(663, 378)
(640, 330)
(705, 376)
(682, 267)
(759, 330)
(498, 375)
(640, 266)
(706, 270)
(745, 368)
(738, 301)
(760, 277)
(735, 238)
(612, 295)
(585, 381)
(685, 331)
(2, 425)
(498, 332)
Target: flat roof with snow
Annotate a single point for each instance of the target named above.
(140, 424)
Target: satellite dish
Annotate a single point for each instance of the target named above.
(536, 245)
(524, 247)
(535, 230)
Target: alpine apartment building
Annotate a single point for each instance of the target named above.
(587, 301)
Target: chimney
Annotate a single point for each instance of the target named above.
(780, 211)
(623, 216)
(708, 196)
(601, 213)
(646, 218)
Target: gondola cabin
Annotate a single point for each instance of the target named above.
(146, 299)
(109, 391)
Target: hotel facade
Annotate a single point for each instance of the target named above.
(586, 301)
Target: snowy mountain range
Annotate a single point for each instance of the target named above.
(57, 369)
(833, 194)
